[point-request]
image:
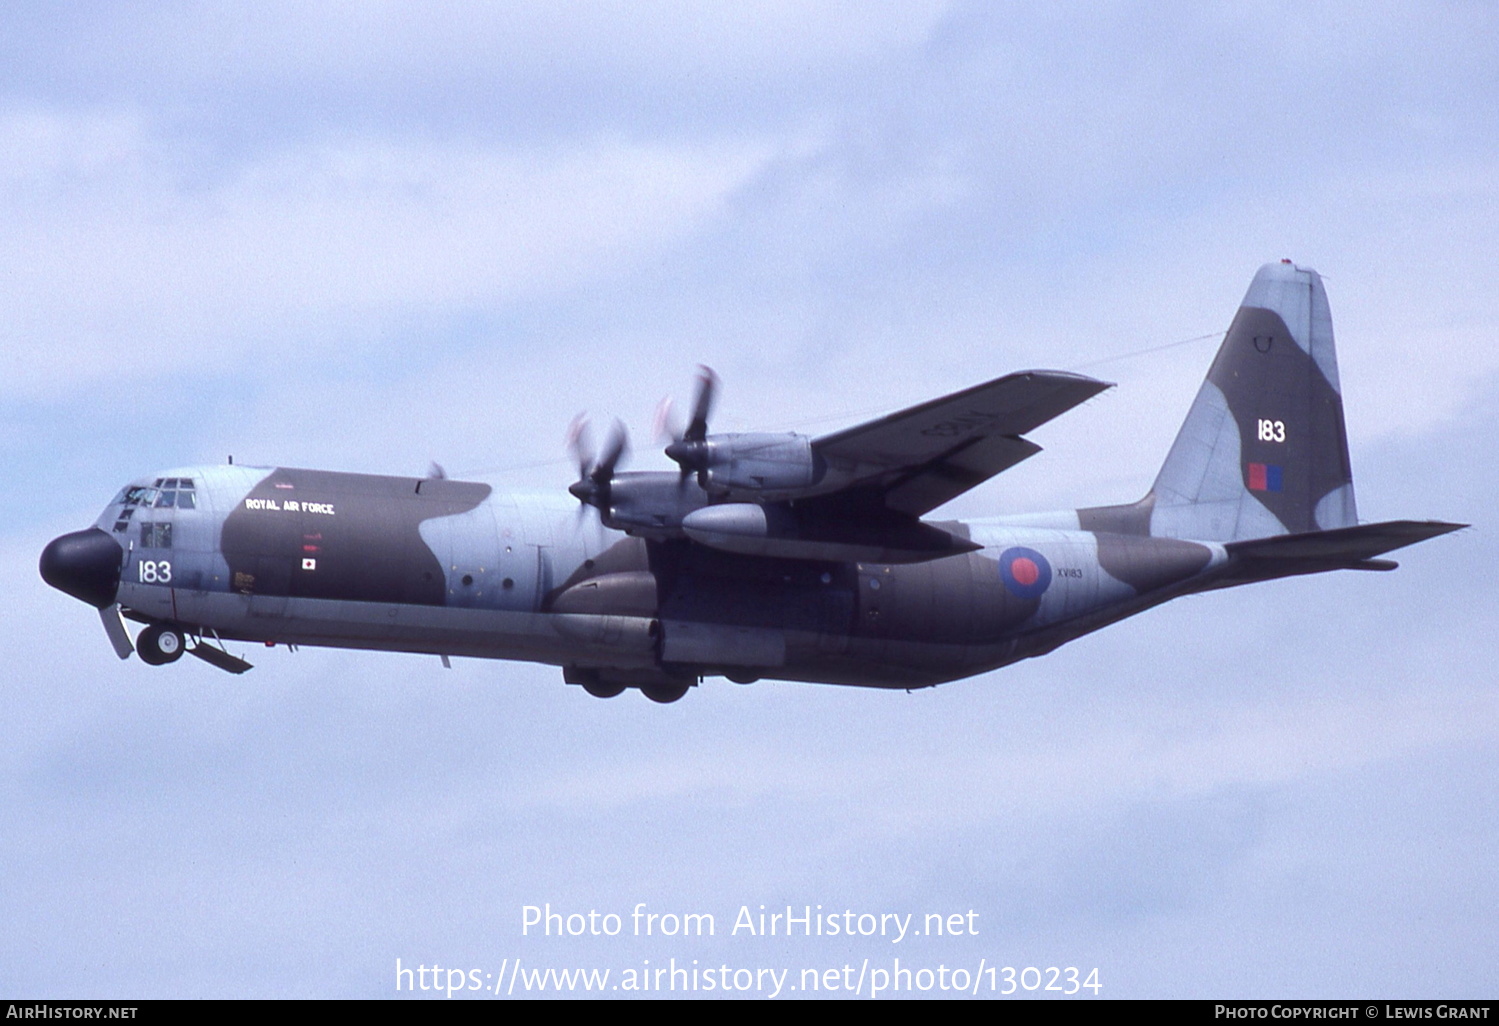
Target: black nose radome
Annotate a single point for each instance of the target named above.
(85, 564)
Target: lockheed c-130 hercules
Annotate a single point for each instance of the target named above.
(764, 555)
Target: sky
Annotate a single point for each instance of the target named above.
(366, 236)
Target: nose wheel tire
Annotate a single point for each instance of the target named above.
(158, 645)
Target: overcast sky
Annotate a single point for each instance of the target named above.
(364, 236)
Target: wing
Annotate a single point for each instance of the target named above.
(919, 458)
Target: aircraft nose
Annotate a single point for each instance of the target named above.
(84, 564)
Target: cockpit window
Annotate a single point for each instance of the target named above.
(165, 493)
(175, 492)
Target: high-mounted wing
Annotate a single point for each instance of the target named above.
(923, 456)
(857, 494)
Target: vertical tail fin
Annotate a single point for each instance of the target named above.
(1263, 450)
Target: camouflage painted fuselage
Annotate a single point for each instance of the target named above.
(455, 568)
(801, 559)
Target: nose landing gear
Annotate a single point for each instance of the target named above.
(160, 644)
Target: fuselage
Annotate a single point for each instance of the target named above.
(445, 567)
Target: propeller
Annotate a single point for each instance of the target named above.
(595, 473)
(579, 446)
(114, 626)
(690, 449)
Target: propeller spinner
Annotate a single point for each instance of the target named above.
(595, 474)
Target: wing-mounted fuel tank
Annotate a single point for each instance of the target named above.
(817, 531)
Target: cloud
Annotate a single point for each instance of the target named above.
(139, 271)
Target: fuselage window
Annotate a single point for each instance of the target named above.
(156, 536)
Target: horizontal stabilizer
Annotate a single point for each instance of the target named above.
(1345, 548)
(1263, 559)
(1350, 544)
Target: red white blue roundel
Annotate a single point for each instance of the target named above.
(1026, 572)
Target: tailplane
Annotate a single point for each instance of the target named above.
(1343, 548)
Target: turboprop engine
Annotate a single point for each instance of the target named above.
(760, 464)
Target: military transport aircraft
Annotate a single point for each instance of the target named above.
(764, 555)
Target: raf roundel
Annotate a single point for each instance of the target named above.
(1026, 572)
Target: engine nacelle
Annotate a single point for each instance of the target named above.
(760, 463)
